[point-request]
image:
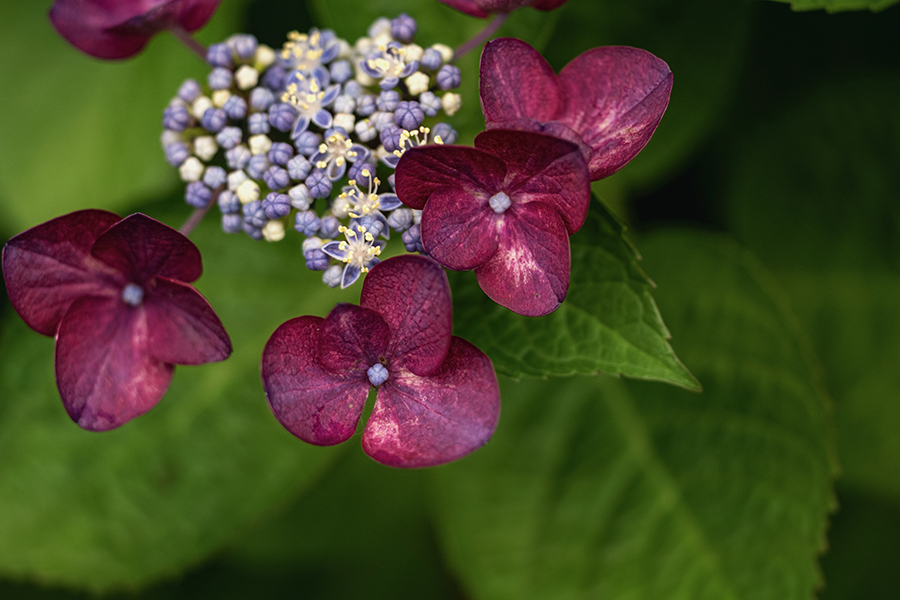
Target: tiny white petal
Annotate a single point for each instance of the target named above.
(205, 147)
(235, 179)
(417, 83)
(260, 144)
(265, 56)
(273, 231)
(200, 106)
(220, 97)
(248, 192)
(451, 103)
(191, 170)
(246, 77)
(446, 51)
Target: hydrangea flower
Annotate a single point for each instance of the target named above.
(505, 208)
(438, 398)
(485, 8)
(121, 28)
(612, 97)
(115, 293)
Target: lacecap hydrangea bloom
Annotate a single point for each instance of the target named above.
(296, 138)
(438, 398)
(116, 295)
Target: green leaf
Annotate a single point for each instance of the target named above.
(608, 322)
(815, 194)
(834, 6)
(86, 132)
(703, 41)
(160, 494)
(602, 488)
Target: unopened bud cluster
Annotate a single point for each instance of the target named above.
(296, 137)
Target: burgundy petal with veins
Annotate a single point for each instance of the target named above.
(427, 421)
(484, 8)
(621, 107)
(413, 295)
(352, 339)
(436, 167)
(460, 228)
(613, 97)
(141, 248)
(542, 168)
(184, 328)
(105, 374)
(50, 266)
(115, 29)
(114, 294)
(529, 274)
(314, 404)
(517, 82)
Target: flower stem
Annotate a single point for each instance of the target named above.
(480, 37)
(193, 45)
(198, 214)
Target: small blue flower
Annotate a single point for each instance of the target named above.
(308, 52)
(388, 63)
(215, 177)
(390, 137)
(274, 78)
(412, 239)
(366, 105)
(254, 214)
(197, 194)
(316, 260)
(238, 157)
(332, 276)
(344, 104)
(299, 167)
(261, 98)
(340, 71)
(430, 103)
(244, 45)
(177, 153)
(329, 227)
(382, 119)
(365, 130)
(359, 252)
(400, 219)
(214, 119)
(299, 195)
(282, 116)
(431, 60)
(377, 374)
(258, 123)
(281, 153)
(257, 166)
(408, 115)
(235, 107)
(388, 100)
(219, 55)
(403, 28)
(276, 205)
(444, 132)
(353, 88)
(306, 95)
(232, 223)
(190, 90)
(229, 203)
(319, 184)
(307, 143)
(229, 137)
(362, 172)
(307, 223)
(276, 178)
(449, 77)
(335, 152)
(220, 78)
(176, 117)
(253, 231)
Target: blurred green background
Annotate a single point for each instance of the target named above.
(767, 209)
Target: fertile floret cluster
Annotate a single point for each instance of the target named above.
(296, 137)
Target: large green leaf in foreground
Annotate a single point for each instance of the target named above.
(80, 132)
(600, 488)
(608, 322)
(839, 5)
(160, 494)
(815, 194)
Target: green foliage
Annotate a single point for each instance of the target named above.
(63, 106)
(833, 6)
(815, 193)
(598, 488)
(703, 42)
(608, 322)
(160, 494)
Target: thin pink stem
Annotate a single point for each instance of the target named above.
(193, 45)
(480, 37)
(198, 214)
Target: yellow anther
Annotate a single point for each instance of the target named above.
(321, 164)
(323, 148)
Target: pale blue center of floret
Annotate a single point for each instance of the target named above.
(378, 374)
(500, 202)
(133, 294)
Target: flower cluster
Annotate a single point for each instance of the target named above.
(296, 137)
